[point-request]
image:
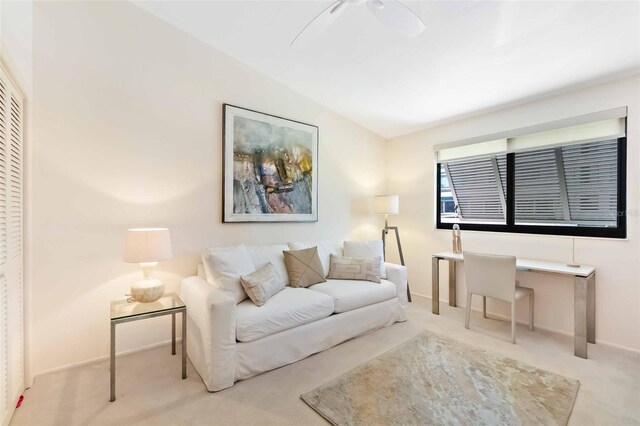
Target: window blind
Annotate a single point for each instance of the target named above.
(477, 187)
(574, 184)
(589, 132)
(481, 149)
(592, 181)
(603, 125)
(537, 187)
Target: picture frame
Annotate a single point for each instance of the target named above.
(270, 168)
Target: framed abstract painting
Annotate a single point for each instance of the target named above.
(270, 168)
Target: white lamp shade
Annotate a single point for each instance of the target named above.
(147, 245)
(386, 204)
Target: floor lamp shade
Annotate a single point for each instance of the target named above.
(147, 246)
(386, 204)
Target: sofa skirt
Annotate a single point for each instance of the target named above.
(300, 342)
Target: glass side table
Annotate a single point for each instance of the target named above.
(125, 311)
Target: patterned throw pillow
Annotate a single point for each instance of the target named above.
(366, 249)
(262, 284)
(355, 268)
(304, 267)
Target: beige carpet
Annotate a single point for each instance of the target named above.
(435, 380)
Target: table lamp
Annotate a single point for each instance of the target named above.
(386, 205)
(147, 246)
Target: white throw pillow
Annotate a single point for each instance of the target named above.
(371, 248)
(225, 265)
(325, 250)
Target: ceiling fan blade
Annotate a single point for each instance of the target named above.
(321, 22)
(397, 16)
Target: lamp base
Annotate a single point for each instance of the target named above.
(148, 290)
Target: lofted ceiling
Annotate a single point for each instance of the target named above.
(473, 55)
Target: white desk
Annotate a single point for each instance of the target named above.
(584, 294)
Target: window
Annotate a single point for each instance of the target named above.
(564, 181)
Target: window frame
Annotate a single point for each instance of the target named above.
(619, 232)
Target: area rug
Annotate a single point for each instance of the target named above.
(434, 380)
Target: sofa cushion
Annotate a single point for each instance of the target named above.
(263, 254)
(289, 308)
(224, 266)
(325, 250)
(350, 294)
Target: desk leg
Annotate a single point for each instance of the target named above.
(435, 287)
(173, 334)
(452, 283)
(580, 313)
(112, 396)
(591, 308)
(184, 344)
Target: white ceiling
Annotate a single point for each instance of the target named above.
(474, 55)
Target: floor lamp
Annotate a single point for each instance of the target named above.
(386, 205)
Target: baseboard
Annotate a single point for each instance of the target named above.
(11, 409)
(551, 330)
(105, 357)
(424, 296)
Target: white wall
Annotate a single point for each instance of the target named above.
(410, 169)
(127, 132)
(16, 25)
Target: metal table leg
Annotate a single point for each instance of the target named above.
(184, 344)
(113, 362)
(173, 334)
(435, 287)
(580, 317)
(591, 308)
(452, 283)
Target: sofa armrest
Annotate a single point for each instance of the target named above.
(211, 332)
(397, 274)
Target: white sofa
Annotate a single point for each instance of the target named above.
(227, 342)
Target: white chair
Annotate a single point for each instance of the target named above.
(495, 276)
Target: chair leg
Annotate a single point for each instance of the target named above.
(513, 322)
(531, 311)
(484, 306)
(468, 311)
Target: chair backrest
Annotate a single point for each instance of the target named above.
(490, 275)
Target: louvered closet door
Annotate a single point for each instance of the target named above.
(11, 247)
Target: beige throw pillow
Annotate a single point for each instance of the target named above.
(304, 267)
(262, 284)
(355, 268)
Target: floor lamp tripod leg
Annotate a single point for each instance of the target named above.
(384, 251)
(402, 260)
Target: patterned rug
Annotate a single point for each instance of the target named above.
(433, 380)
